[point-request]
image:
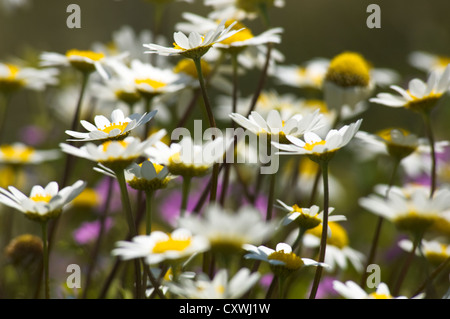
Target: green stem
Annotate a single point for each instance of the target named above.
(323, 240)
(376, 237)
(212, 124)
(298, 241)
(429, 129)
(185, 194)
(76, 117)
(4, 104)
(126, 201)
(271, 199)
(402, 275)
(148, 211)
(45, 256)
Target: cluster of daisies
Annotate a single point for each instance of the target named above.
(198, 226)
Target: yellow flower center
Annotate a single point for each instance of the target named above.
(349, 69)
(443, 61)
(107, 144)
(416, 222)
(171, 245)
(339, 237)
(13, 70)
(94, 56)
(187, 66)
(108, 128)
(87, 198)
(291, 260)
(374, 295)
(316, 104)
(437, 257)
(305, 220)
(310, 147)
(242, 35)
(11, 82)
(16, 154)
(41, 198)
(308, 167)
(154, 84)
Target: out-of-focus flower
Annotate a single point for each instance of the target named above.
(227, 231)
(351, 290)
(428, 62)
(348, 81)
(20, 154)
(220, 287)
(88, 232)
(420, 96)
(9, 6)
(14, 77)
(24, 250)
(159, 246)
(339, 253)
(411, 208)
(43, 203)
(309, 75)
(196, 45)
(85, 61)
(117, 129)
(436, 251)
(282, 260)
(240, 9)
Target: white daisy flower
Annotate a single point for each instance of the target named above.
(419, 96)
(20, 154)
(317, 147)
(187, 158)
(147, 176)
(351, 290)
(85, 61)
(11, 5)
(159, 246)
(412, 209)
(14, 77)
(43, 203)
(277, 129)
(310, 74)
(428, 62)
(118, 128)
(114, 154)
(146, 78)
(339, 254)
(228, 231)
(240, 10)
(306, 217)
(281, 260)
(238, 41)
(398, 143)
(220, 287)
(436, 251)
(195, 45)
(348, 81)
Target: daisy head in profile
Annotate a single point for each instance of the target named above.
(115, 155)
(420, 96)
(147, 176)
(18, 154)
(315, 147)
(351, 290)
(118, 128)
(347, 81)
(194, 45)
(159, 246)
(14, 77)
(282, 260)
(43, 203)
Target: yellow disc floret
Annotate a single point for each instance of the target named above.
(171, 245)
(349, 69)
